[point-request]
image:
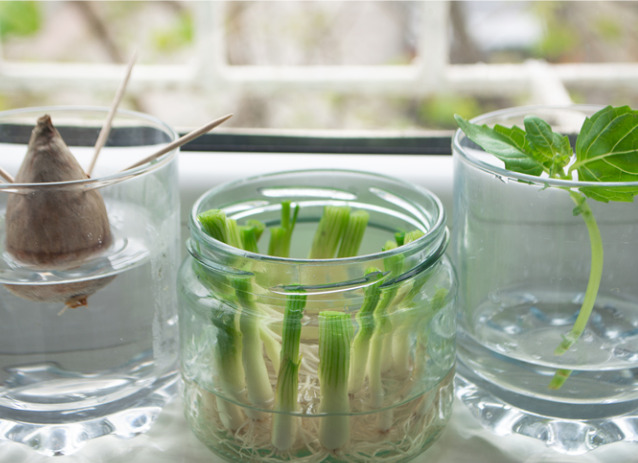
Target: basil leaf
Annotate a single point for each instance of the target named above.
(607, 151)
(606, 194)
(595, 124)
(550, 149)
(507, 144)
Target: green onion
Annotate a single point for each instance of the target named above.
(216, 224)
(329, 232)
(280, 237)
(379, 351)
(272, 347)
(213, 222)
(249, 333)
(233, 235)
(228, 360)
(250, 234)
(399, 237)
(277, 246)
(258, 385)
(335, 334)
(284, 422)
(361, 343)
(353, 234)
(412, 235)
(401, 341)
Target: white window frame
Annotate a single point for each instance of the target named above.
(430, 72)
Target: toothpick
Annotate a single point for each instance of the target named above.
(6, 175)
(180, 141)
(106, 128)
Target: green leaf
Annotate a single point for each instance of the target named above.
(550, 149)
(606, 194)
(507, 144)
(596, 124)
(607, 151)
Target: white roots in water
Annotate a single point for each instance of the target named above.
(391, 434)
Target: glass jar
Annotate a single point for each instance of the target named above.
(395, 358)
(88, 339)
(524, 248)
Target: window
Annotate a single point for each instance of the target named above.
(365, 65)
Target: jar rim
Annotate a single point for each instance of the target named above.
(494, 116)
(436, 233)
(97, 182)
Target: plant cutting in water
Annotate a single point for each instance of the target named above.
(281, 378)
(606, 150)
(61, 228)
(43, 226)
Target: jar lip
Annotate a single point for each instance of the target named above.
(584, 109)
(437, 231)
(97, 182)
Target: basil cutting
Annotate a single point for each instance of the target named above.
(606, 150)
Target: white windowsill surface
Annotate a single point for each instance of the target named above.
(463, 441)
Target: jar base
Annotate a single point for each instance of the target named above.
(504, 412)
(413, 427)
(126, 417)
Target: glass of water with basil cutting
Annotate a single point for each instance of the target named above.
(545, 242)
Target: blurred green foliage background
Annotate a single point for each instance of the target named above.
(308, 33)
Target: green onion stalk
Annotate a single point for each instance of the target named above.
(353, 233)
(258, 387)
(285, 423)
(247, 330)
(381, 336)
(228, 362)
(361, 342)
(348, 231)
(214, 224)
(405, 317)
(250, 234)
(339, 233)
(228, 352)
(335, 335)
(396, 297)
(329, 232)
(281, 236)
(272, 347)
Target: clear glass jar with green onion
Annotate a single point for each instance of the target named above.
(317, 318)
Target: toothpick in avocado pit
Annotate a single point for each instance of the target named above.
(6, 175)
(181, 141)
(106, 128)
